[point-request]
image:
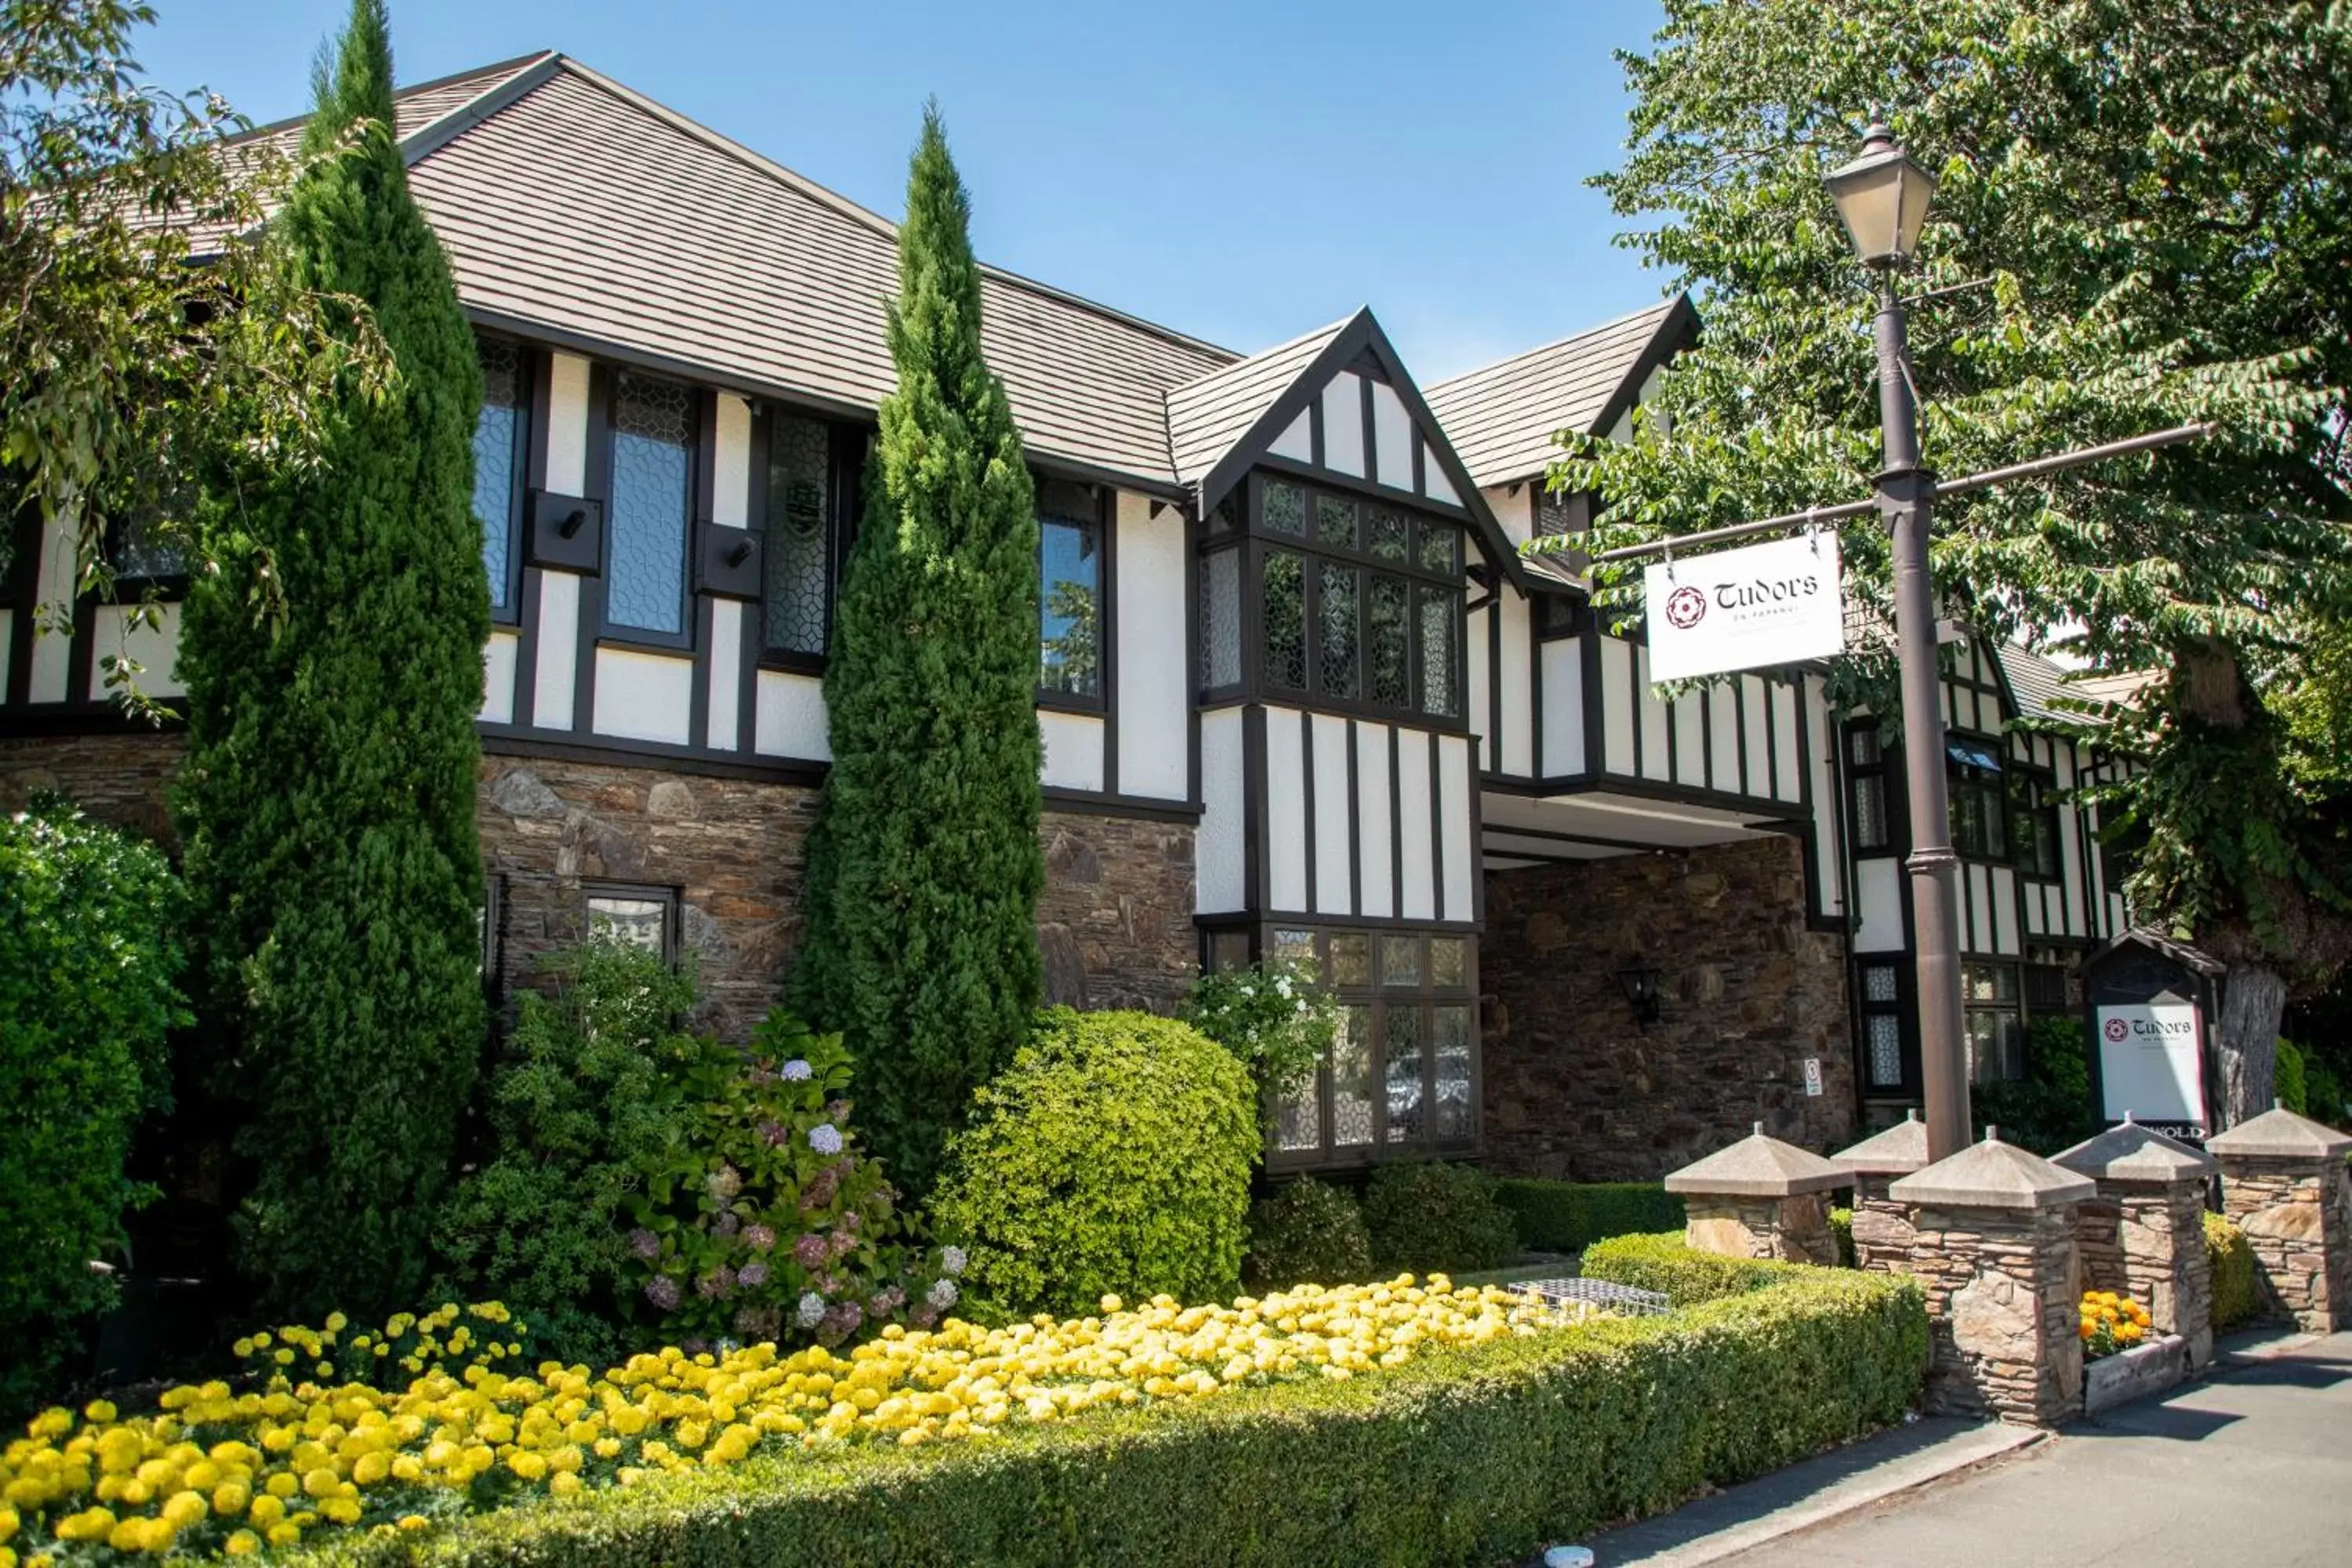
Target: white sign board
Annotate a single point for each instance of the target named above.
(1813, 1077)
(2150, 1063)
(1743, 609)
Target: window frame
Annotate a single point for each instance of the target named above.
(1989, 787)
(529, 378)
(1377, 1000)
(1105, 521)
(2031, 798)
(2011, 1007)
(1909, 1084)
(845, 483)
(1255, 542)
(701, 416)
(672, 900)
(1880, 772)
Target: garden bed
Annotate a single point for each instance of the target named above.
(2145, 1369)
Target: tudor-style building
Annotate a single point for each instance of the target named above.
(1299, 695)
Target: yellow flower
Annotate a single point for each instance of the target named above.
(244, 1544)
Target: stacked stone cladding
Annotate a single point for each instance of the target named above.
(2002, 1297)
(1882, 1230)
(2297, 1217)
(1793, 1230)
(1577, 1087)
(1115, 922)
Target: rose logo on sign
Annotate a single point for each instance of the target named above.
(1685, 607)
(2116, 1030)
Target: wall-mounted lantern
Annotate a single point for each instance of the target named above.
(1639, 982)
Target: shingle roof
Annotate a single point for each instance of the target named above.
(1501, 417)
(1206, 416)
(2047, 690)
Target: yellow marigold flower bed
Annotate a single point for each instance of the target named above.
(2110, 1323)
(217, 1471)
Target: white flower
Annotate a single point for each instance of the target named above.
(795, 1071)
(825, 1138)
(952, 1259)
(812, 1309)
(943, 1295)
(1303, 1007)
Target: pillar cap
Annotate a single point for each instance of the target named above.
(1758, 1167)
(2279, 1133)
(1898, 1150)
(2132, 1153)
(1992, 1176)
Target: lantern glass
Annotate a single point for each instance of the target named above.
(1883, 196)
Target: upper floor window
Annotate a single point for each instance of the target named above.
(1979, 818)
(652, 496)
(1866, 786)
(797, 597)
(499, 433)
(1069, 589)
(2033, 823)
(1357, 602)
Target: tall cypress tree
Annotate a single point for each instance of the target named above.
(924, 868)
(327, 800)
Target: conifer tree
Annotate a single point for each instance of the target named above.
(328, 801)
(924, 868)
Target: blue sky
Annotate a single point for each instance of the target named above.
(1243, 172)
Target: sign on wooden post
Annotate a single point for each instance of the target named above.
(1742, 609)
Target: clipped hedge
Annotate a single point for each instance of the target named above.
(1568, 1217)
(2237, 1297)
(1842, 1231)
(1667, 1264)
(1471, 1456)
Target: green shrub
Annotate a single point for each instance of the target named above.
(1469, 1455)
(1669, 1264)
(1569, 1216)
(1308, 1232)
(2049, 1109)
(1841, 1230)
(2288, 1082)
(583, 1083)
(1113, 1156)
(88, 954)
(2237, 1295)
(760, 1219)
(1428, 1217)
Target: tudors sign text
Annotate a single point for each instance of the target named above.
(1741, 609)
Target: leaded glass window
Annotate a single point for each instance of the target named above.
(798, 558)
(1283, 597)
(1340, 619)
(1351, 959)
(1220, 618)
(495, 431)
(1400, 1042)
(1441, 623)
(1448, 960)
(1299, 1117)
(1388, 640)
(1334, 521)
(1285, 508)
(1878, 983)
(1069, 591)
(652, 492)
(1869, 812)
(1351, 1079)
(1450, 1062)
(1400, 962)
(1389, 530)
(1886, 1051)
(1441, 547)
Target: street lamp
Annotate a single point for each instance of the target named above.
(1883, 197)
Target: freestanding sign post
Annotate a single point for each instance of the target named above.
(2148, 1004)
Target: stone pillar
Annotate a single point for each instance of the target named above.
(1993, 1247)
(2285, 1183)
(1882, 1227)
(2142, 1235)
(1760, 1198)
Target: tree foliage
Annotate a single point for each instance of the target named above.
(90, 956)
(924, 868)
(130, 218)
(328, 799)
(2155, 191)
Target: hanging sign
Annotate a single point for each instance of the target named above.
(2151, 1063)
(1744, 609)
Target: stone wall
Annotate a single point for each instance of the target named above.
(2002, 1305)
(1577, 1087)
(1115, 923)
(2297, 1217)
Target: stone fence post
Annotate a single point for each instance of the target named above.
(1760, 1198)
(2143, 1234)
(1993, 1247)
(2285, 1182)
(1882, 1227)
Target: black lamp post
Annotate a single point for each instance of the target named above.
(1883, 197)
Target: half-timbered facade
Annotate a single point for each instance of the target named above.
(1300, 697)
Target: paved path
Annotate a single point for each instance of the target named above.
(2251, 1467)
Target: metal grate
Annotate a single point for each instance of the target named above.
(1603, 1294)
